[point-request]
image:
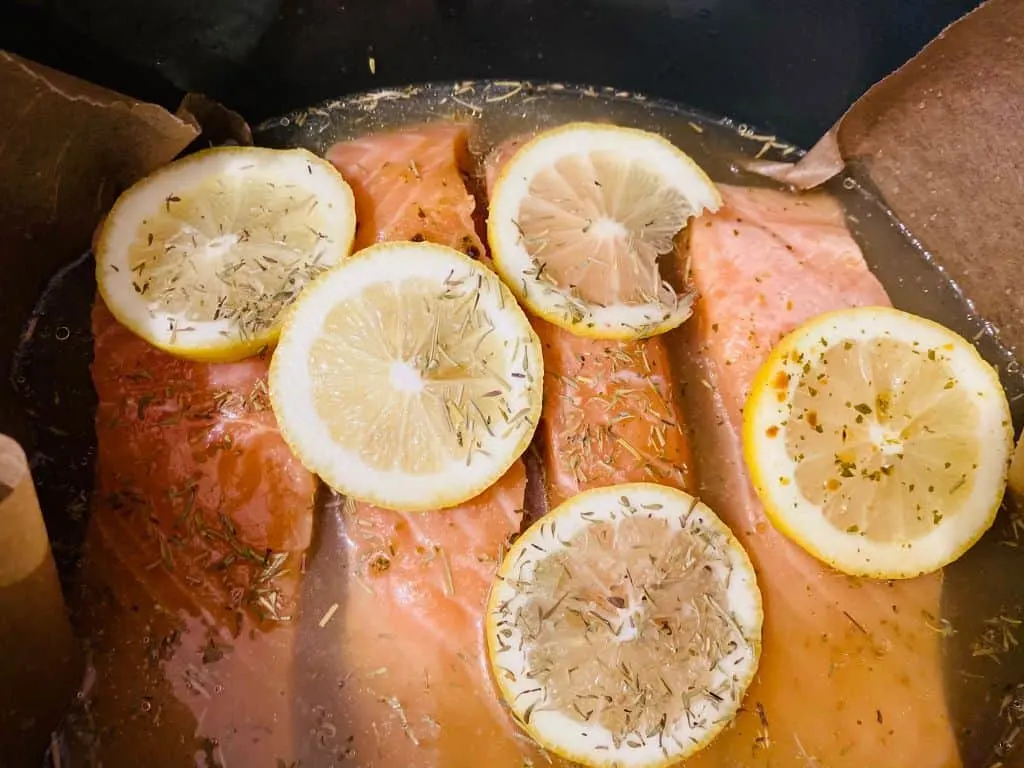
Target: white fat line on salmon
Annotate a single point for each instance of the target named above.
(446, 571)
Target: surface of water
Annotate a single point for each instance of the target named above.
(982, 602)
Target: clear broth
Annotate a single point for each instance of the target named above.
(981, 600)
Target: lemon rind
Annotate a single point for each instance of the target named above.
(1015, 479)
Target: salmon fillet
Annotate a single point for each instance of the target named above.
(610, 414)
(497, 158)
(420, 693)
(410, 185)
(851, 674)
(200, 518)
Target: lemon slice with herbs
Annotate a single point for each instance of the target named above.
(407, 377)
(879, 441)
(624, 627)
(201, 257)
(584, 224)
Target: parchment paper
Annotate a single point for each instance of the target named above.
(67, 148)
(940, 139)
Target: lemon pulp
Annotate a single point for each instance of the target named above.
(202, 257)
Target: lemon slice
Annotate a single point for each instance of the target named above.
(407, 377)
(201, 257)
(580, 218)
(879, 441)
(624, 627)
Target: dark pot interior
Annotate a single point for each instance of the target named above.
(792, 67)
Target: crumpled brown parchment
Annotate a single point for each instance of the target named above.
(940, 140)
(67, 148)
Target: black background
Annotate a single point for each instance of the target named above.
(789, 66)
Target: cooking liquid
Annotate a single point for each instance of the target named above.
(981, 605)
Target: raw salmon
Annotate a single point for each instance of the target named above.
(851, 671)
(410, 185)
(609, 415)
(420, 693)
(200, 518)
(497, 157)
